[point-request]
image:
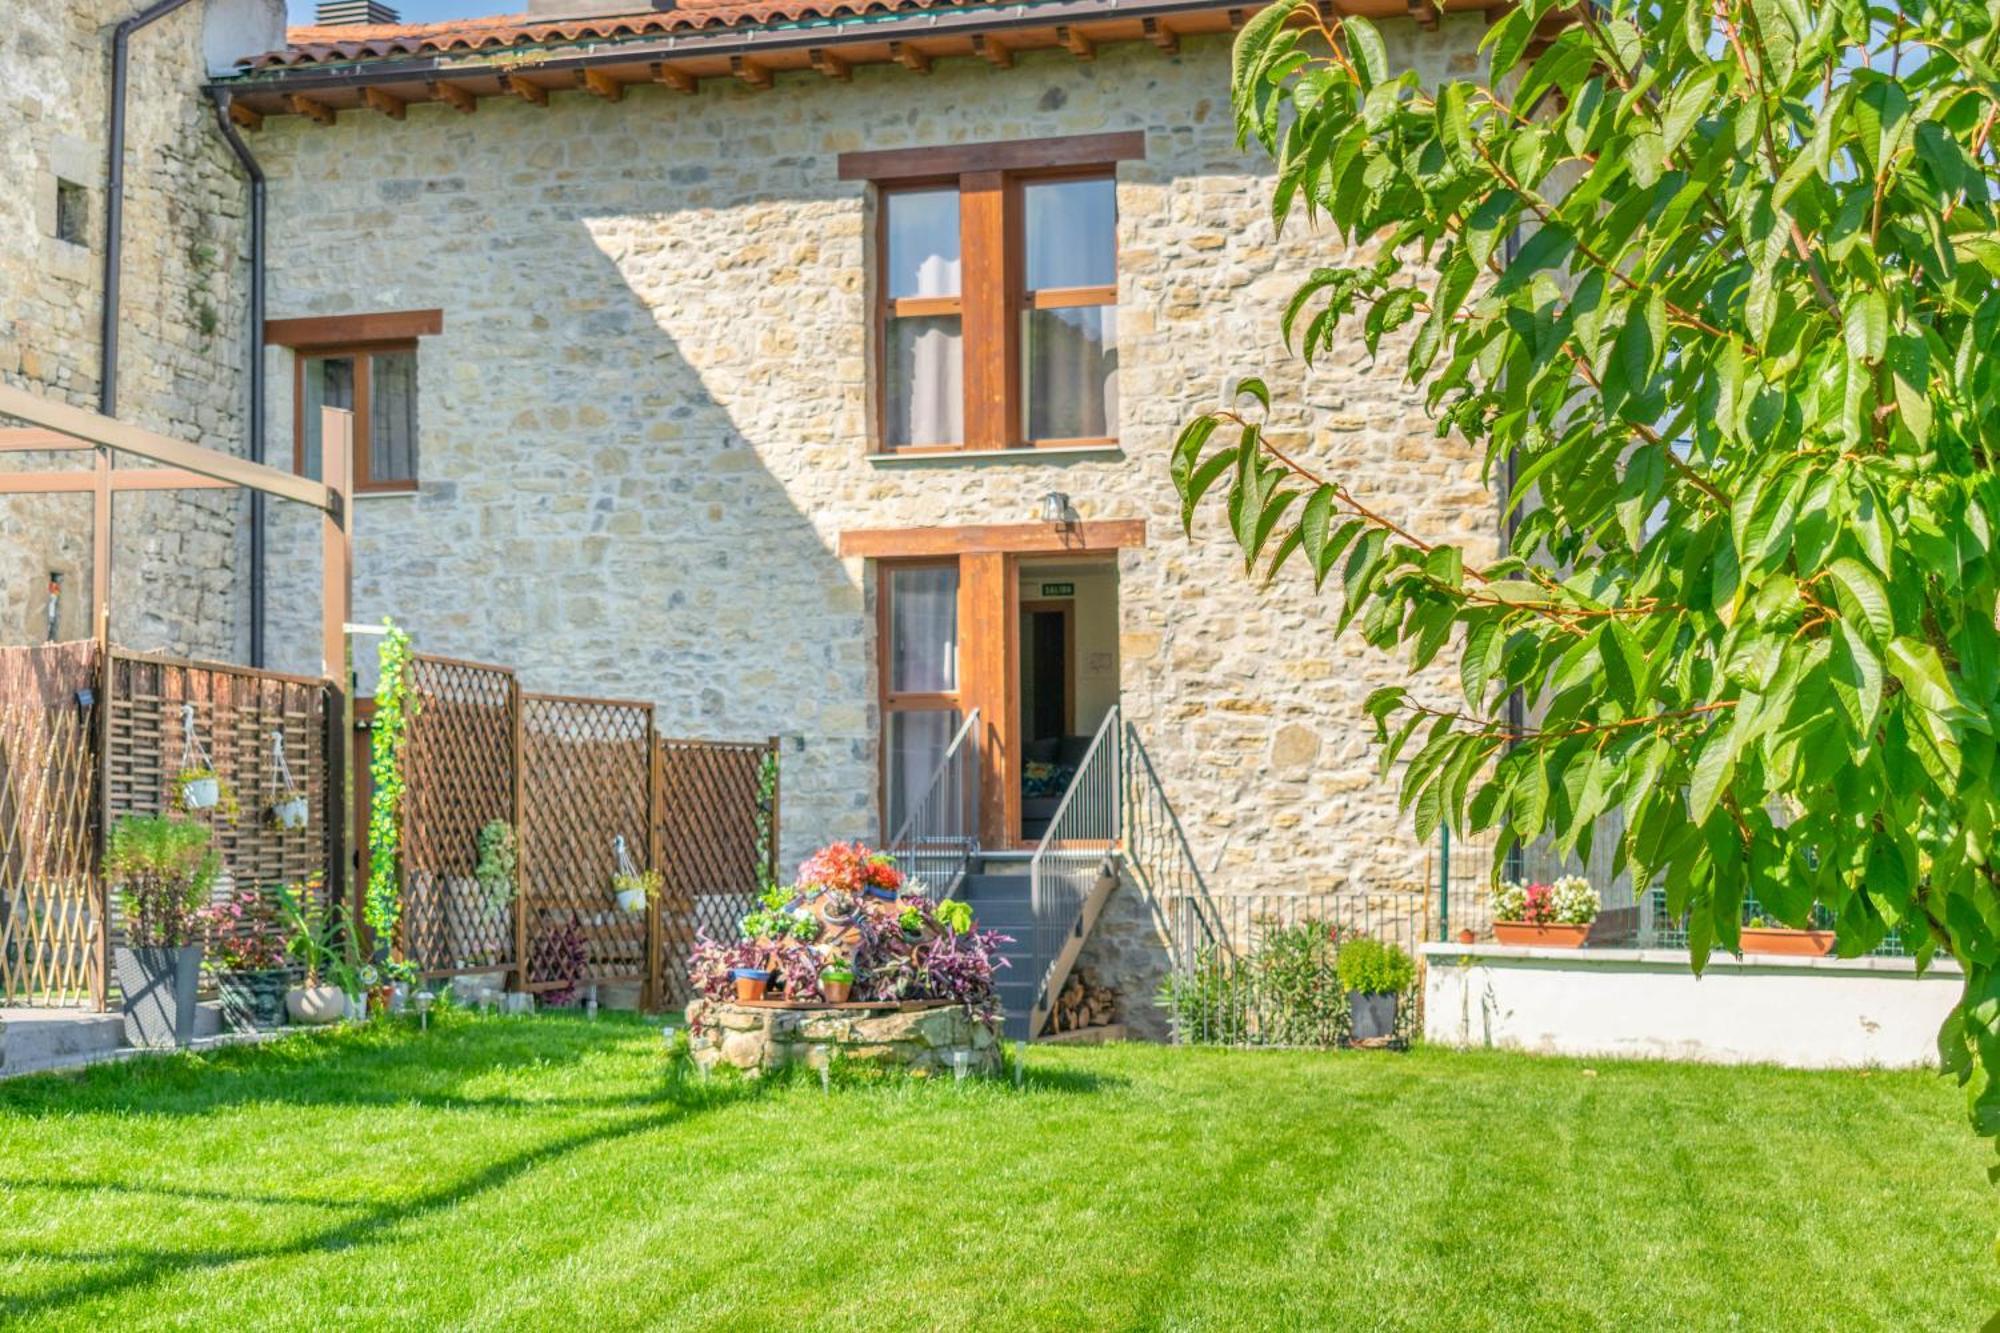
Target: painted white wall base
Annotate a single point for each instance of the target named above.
(1810, 1013)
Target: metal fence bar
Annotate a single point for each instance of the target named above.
(1068, 861)
(939, 838)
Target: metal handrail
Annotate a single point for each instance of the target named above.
(1060, 876)
(1156, 848)
(939, 837)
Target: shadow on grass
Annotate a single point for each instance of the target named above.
(138, 1267)
(379, 1066)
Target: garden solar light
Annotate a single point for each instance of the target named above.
(424, 1000)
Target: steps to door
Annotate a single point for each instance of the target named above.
(1000, 901)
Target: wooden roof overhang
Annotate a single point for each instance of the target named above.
(750, 54)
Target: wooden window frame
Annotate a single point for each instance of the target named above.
(363, 355)
(891, 701)
(993, 290)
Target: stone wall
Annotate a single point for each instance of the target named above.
(645, 424)
(182, 329)
(758, 1039)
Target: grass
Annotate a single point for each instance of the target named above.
(546, 1173)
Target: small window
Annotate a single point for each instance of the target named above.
(1069, 328)
(72, 213)
(380, 387)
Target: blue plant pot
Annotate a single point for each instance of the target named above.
(886, 895)
(762, 974)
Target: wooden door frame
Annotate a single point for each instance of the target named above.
(1066, 608)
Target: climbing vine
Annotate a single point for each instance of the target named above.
(767, 812)
(393, 709)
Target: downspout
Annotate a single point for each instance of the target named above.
(114, 197)
(257, 498)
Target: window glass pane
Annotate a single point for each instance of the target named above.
(923, 242)
(917, 742)
(923, 630)
(1072, 233)
(392, 417)
(1069, 372)
(329, 382)
(925, 395)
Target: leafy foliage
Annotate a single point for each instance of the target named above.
(313, 933)
(393, 708)
(1710, 285)
(163, 869)
(1371, 967)
(1286, 990)
(241, 933)
(498, 868)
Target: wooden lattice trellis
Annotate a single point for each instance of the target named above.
(574, 776)
(458, 777)
(718, 841)
(51, 899)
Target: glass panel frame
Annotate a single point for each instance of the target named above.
(365, 399)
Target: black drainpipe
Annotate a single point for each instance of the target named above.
(257, 498)
(114, 196)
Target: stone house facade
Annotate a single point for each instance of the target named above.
(617, 295)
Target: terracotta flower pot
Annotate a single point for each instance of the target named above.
(1465, 935)
(751, 983)
(1787, 943)
(1541, 937)
(836, 992)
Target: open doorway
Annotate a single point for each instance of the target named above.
(1067, 631)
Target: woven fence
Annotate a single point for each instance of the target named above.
(85, 742)
(574, 779)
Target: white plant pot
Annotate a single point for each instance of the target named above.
(201, 793)
(290, 813)
(632, 900)
(315, 1004)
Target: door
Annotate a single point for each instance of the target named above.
(1048, 658)
(918, 633)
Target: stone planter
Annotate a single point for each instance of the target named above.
(315, 1004)
(159, 986)
(1372, 1015)
(1540, 937)
(920, 1042)
(253, 1000)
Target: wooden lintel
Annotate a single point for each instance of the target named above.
(80, 423)
(1425, 13)
(1011, 538)
(1160, 35)
(909, 57)
(318, 112)
(830, 65)
(29, 439)
(386, 102)
(455, 96)
(675, 78)
(603, 85)
(530, 92)
(992, 50)
(248, 117)
(374, 326)
(1079, 45)
(752, 73)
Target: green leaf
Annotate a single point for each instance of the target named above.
(1364, 44)
(1921, 672)
(1863, 598)
(1867, 326)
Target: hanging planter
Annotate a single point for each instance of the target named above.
(198, 786)
(632, 887)
(290, 810)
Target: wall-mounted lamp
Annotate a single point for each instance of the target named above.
(1055, 508)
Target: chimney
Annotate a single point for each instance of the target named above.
(342, 13)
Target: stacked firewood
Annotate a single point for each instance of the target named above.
(1082, 1003)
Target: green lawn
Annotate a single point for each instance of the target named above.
(545, 1173)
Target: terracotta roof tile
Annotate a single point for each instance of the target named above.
(349, 42)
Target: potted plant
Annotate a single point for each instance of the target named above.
(634, 891)
(751, 982)
(1374, 975)
(202, 788)
(291, 812)
(163, 869)
(1551, 916)
(836, 979)
(313, 944)
(245, 953)
(1768, 936)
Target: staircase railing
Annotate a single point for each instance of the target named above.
(939, 837)
(1080, 847)
(1157, 851)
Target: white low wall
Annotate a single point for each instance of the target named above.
(1810, 1013)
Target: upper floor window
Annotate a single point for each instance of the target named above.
(998, 284)
(366, 364)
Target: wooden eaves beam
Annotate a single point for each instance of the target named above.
(95, 429)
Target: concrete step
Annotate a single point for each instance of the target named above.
(37, 1039)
